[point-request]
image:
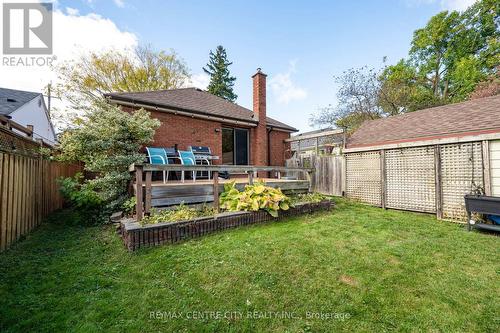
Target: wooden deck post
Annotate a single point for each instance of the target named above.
(309, 178)
(138, 192)
(147, 206)
(215, 176)
(250, 177)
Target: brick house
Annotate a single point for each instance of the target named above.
(193, 117)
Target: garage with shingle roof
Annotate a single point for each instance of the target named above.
(427, 160)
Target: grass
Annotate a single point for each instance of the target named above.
(372, 270)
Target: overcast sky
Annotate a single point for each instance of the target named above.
(301, 45)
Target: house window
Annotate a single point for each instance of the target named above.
(235, 146)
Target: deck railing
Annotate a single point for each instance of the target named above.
(143, 175)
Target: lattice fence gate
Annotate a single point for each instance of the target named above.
(363, 177)
(410, 179)
(461, 173)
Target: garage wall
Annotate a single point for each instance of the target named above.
(495, 167)
(432, 179)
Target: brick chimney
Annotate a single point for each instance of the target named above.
(259, 137)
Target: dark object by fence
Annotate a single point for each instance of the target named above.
(484, 205)
(136, 236)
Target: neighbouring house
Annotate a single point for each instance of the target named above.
(28, 109)
(193, 117)
(327, 141)
(427, 160)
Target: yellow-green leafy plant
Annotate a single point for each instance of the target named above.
(180, 213)
(253, 198)
(129, 206)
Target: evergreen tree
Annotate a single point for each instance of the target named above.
(221, 82)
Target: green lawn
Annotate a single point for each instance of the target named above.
(373, 270)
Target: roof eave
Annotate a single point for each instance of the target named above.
(176, 110)
(490, 134)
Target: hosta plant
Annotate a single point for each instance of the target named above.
(253, 198)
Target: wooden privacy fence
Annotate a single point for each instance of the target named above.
(328, 172)
(28, 185)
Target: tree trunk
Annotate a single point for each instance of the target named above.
(445, 94)
(436, 78)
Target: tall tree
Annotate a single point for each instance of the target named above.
(221, 82)
(358, 100)
(456, 56)
(448, 58)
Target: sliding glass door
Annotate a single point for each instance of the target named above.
(235, 146)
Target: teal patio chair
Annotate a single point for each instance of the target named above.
(187, 158)
(157, 155)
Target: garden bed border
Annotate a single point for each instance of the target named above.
(135, 235)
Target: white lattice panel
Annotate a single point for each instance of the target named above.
(363, 181)
(461, 173)
(410, 179)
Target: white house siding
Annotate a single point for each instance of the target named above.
(34, 113)
(495, 167)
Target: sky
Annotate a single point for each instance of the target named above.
(300, 45)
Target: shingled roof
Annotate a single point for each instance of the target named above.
(453, 120)
(195, 101)
(11, 100)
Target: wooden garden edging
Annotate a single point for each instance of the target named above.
(135, 235)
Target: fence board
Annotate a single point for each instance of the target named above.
(328, 172)
(2, 180)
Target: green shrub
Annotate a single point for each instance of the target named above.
(82, 196)
(129, 206)
(107, 140)
(180, 213)
(253, 198)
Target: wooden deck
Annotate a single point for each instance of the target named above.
(159, 194)
(201, 191)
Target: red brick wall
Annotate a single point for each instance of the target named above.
(278, 147)
(187, 131)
